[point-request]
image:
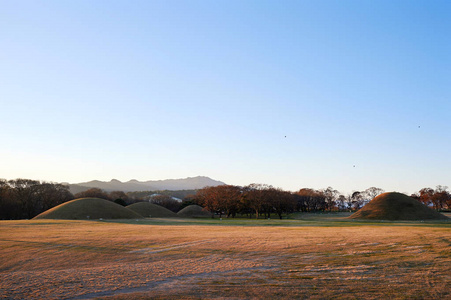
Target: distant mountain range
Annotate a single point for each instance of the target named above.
(190, 183)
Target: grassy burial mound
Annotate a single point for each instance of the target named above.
(147, 209)
(88, 208)
(194, 211)
(396, 206)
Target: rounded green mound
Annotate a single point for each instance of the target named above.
(194, 211)
(396, 206)
(88, 208)
(147, 209)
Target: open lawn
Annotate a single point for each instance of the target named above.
(313, 257)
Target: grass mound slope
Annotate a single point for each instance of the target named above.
(194, 211)
(147, 209)
(88, 208)
(396, 206)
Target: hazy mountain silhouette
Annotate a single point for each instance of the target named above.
(190, 183)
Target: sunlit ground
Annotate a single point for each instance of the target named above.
(322, 257)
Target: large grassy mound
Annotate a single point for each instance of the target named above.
(193, 211)
(396, 206)
(89, 208)
(147, 209)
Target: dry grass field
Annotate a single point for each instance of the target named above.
(55, 259)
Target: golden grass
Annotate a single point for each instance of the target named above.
(86, 259)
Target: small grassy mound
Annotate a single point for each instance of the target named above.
(88, 208)
(147, 209)
(194, 211)
(396, 206)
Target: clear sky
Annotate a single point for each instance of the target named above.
(348, 94)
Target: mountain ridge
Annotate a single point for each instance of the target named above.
(133, 185)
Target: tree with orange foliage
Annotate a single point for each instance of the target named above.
(220, 199)
(440, 197)
(281, 201)
(255, 197)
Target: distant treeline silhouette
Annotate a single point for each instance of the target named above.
(25, 199)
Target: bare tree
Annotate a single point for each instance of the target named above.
(23, 192)
(9, 208)
(49, 195)
(354, 201)
(311, 200)
(372, 192)
(167, 202)
(349, 202)
(341, 202)
(330, 196)
(93, 193)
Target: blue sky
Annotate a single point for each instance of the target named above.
(288, 93)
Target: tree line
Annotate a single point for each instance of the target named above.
(25, 199)
(438, 199)
(263, 200)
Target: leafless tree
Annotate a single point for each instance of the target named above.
(93, 193)
(372, 192)
(330, 196)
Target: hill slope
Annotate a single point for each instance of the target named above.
(147, 209)
(194, 211)
(88, 208)
(396, 206)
